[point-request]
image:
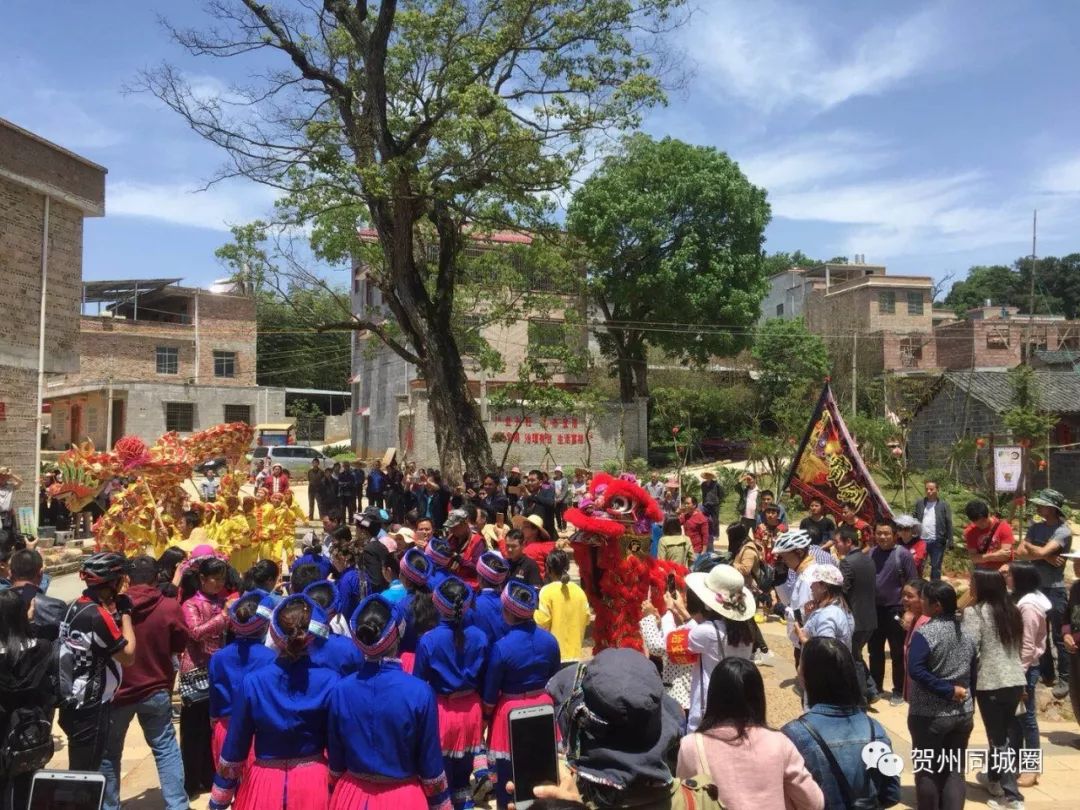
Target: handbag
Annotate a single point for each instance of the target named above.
(862, 802)
(194, 686)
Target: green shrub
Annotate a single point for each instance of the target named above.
(335, 450)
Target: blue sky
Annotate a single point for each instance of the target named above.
(919, 134)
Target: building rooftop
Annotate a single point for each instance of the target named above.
(1058, 391)
(121, 290)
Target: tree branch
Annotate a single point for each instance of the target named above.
(358, 325)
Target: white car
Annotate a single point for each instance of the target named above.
(295, 459)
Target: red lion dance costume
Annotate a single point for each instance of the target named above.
(611, 547)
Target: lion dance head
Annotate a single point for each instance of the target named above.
(611, 547)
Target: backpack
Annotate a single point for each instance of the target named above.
(67, 653)
(27, 742)
(708, 560)
(765, 578)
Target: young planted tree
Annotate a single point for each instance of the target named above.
(431, 121)
(672, 237)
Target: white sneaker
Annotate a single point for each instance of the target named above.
(1005, 804)
(763, 659)
(992, 787)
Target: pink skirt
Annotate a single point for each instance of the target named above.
(289, 784)
(499, 738)
(408, 659)
(355, 793)
(219, 730)
(461, 724)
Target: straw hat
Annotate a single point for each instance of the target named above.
(724, 590)
(535, 520)
(709, 476)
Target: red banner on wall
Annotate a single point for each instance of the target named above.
(828, 465)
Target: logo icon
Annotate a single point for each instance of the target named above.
(878, 754)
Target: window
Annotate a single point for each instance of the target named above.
(914, 303)
(779, 310)
(886, 300)
(180, 416)
(470, 343)
(238, 413)
(224, 364)
(369, 294)
(546, 338)
(910, 352)
(168, 360)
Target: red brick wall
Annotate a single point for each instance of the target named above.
(127, 350)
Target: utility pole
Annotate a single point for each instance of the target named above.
(854, 370)
(1031, 291)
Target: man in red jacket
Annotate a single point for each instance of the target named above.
(695, 524)
(146, 688)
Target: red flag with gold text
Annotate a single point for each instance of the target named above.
(828, 465)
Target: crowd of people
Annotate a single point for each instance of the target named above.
(381, 669)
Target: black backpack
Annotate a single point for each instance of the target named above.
(27, 742)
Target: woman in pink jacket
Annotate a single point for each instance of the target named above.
(1023, 581)
(202, 596)
(754, 767)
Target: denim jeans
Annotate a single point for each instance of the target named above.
(935, 552)
(1030, 720)
(998, 710)
(1054, 617)
(155, 717)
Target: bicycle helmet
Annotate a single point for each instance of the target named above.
(103, 568)
(791, 540)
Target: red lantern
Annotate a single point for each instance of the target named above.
(675, 431)
(897, 452)
(1042, 464)
(980, 442)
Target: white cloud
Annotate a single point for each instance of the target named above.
(62, 118)
(772, 55)
(1061, 177)
(224, 204)
(866, 188)
(812, 159)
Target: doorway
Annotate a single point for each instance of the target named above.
(76, 423)
(117, 429)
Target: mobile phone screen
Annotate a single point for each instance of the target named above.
(532, 754)
(59, 791)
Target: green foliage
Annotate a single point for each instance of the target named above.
(335, 450)
(639, 467)
(1025, 419)
(998, 284)
(671, 234)
(304, 409)
(700, 412)
(290, 351)
(780, 262)
(792, 363)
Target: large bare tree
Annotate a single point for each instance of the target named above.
(431, 122)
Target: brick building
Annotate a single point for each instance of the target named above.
(886, 321)
(970, 404)
(159, 357)
(1001, 338)
(45, 193)
(390, 399)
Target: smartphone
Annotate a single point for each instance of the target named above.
(500, 519)
(533, 757)
(67, 790)
(671, 586)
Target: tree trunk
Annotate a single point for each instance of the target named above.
(460, 435)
